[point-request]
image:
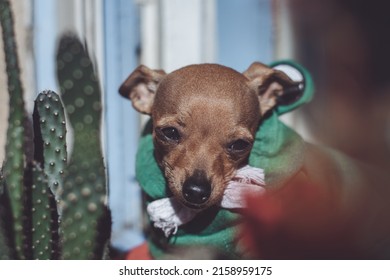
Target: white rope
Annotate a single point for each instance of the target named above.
(168, 213)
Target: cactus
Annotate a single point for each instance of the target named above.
(14, 162)
(4, 247)
(50, 138)
(84, 196)
(6, 252)
(50, 209)
(44, 231)
(47, 173)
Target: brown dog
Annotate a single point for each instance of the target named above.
(204, 121)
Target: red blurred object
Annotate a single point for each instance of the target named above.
(139, 253)
(300, 221)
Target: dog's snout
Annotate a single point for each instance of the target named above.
(197, 188)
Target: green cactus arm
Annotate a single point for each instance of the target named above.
(50, 138)
(14, 162)
(44, 230)
(43, 177)
(6, 230)
(85, 223)
(5, 248)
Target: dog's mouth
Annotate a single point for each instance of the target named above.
(195, 206)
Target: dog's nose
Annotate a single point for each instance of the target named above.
(196, 194)
(196, 189)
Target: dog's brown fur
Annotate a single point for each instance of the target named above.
(204, 120)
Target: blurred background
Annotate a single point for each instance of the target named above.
(344, 43)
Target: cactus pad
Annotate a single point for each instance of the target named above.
(44, 217)
(14, 159)
(5, 222)
(50, 138)
(84, 193)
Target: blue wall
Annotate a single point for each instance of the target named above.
(122, 123)
(244, 30)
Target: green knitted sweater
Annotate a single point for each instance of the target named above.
(277, 149)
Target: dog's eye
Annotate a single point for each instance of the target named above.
(171, 133)
(239, 146)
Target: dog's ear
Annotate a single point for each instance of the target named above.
(141, 86)
(273, 87)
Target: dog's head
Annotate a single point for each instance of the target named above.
(204, 122)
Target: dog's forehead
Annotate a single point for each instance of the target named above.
(207, 91)
(203, 79)
(207, 70)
